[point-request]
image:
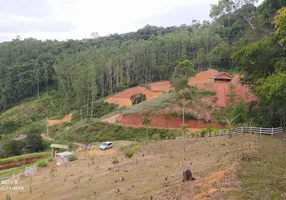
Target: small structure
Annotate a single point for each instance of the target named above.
(62, 157)
(222, 77)
(20, 138)
(31, 170)
(57, 146)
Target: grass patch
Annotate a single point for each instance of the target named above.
(152, 105)
(130, 150)
(148, 107)
(188, 115)
(262, 174)
(206, 92)
(42, 163)
(90, 130)
(72, 157)
(16, 159)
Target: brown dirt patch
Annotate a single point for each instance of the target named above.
(157, 174)
(123, 98)
(203, 77)
(67, 118)
(95, 152)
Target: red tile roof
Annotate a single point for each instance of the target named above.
(21, 137)
(220, 76)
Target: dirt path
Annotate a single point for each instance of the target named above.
(66, 118)
(45, 137)
(158, 173)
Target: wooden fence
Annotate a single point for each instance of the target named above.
(30, 171)
(242, 129)
(258, 130)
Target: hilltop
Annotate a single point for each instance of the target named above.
(163, 108)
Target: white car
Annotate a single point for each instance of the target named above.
(106, 145)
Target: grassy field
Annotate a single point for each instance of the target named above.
(154, 170)
(15, 159)
(244, 166)
(150, 106)
(22, 157)
(90, 130)
(262, 173)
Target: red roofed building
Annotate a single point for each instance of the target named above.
(20, 138)
(222, 77)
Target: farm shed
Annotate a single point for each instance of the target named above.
(62, 157)
(222, 77)
(57, 146)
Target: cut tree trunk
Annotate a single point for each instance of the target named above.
(187, 175)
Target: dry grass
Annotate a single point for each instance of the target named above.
(155, 170)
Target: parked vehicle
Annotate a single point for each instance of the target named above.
(106, 145)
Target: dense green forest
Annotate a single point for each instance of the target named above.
(241, 37)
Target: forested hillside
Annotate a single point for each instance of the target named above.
(240, 37)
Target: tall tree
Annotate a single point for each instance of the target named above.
(180, 84)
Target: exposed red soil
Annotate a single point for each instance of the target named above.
(203, 76)
(163, 86)
(202, 80)
(165, 121)
(223, 90)
(66, 118)
(16, 164)
(156, 89)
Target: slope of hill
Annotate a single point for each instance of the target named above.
(151, 91)
(32, 112)
(224, 168)
(164, 111)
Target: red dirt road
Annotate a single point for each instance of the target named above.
(66, 118)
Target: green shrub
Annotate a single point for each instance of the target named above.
(115, 160)
(42, 163)
(188, 115)
(22, 157)
(129, 153)
(203, 133)
(207, 92)
(145, 86)
(50, 159)
(156, 136)
(72, 157)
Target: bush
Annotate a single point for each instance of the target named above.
(50, 159)
(115, 160)
(129, 153)
(138, 98)
(207, 92)
(203, 133)
(42, 163)
(72, 157)
(156, 136)
(188, 115)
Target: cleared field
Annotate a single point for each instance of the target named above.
(151, 91)
(155, 170)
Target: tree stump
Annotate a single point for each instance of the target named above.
(187, 175)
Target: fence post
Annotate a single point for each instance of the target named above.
(242, 129)
(272, 131)
(260, 130)
(250, 129)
